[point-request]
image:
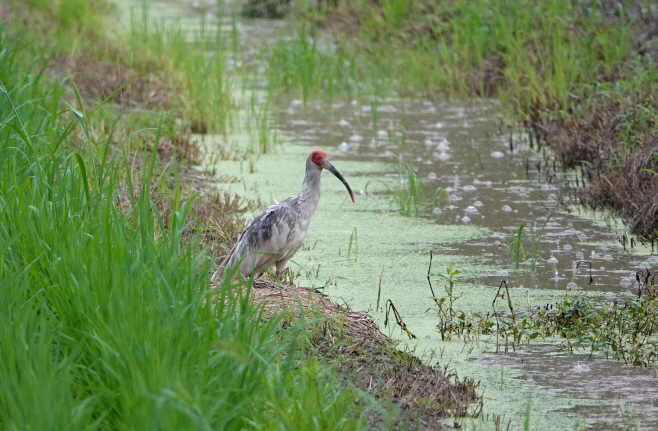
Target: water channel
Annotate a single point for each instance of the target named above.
(493, 187)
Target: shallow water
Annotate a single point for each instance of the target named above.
(355, 248)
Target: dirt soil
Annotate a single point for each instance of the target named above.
(368, 360)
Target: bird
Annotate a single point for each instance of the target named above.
(274, 237)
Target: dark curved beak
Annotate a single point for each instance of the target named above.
(328, 166)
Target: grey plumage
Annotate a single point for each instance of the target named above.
(273, 237)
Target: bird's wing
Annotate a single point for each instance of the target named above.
(269, 233)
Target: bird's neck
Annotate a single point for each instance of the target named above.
(312, 190)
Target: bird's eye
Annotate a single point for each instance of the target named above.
(317, 157)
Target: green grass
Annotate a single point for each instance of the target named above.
(409, 195)
(106, 317)
(530, 54)
(193, 62)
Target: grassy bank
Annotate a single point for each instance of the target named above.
(109, 237)
(578, 76)
(108, 317)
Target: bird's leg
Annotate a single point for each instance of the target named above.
(280, 266)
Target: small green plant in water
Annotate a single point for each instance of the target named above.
(409, 195)
(445, 305)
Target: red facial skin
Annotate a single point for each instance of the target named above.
(319, 157)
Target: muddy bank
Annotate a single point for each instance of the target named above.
(615, 148)
(425, 395)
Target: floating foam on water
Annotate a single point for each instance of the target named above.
(497, 154)
(644, 265)
(382, 134)
(466, 219)
(477, 204)
(552, 260)
(443, 145)
(625, 282)
(431, 176)
(551, 197)
(296, 102)
(471, 209)
(343, 122)
(608, 257)
(507, 208)
(580, 255)
(566, 247)
(436, 210)
(502, 273)
(581, 367)
(356, 138)
(344, 146)
(572, 286)
(544, 187)
(454, 198)
(469, 188)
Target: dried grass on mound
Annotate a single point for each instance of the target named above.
(98, 79)
(616, 146)
(370, 361)
(631, 192)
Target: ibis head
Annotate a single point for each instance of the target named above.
(320, 159)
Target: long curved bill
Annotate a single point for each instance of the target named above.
(328, 166)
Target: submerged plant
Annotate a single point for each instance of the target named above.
(624, 330)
